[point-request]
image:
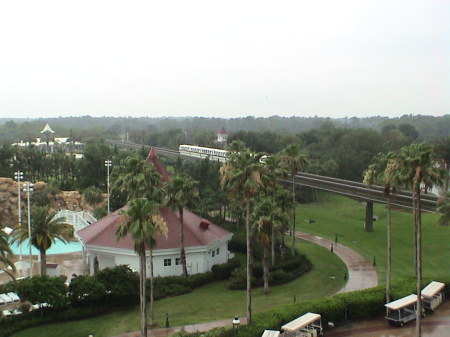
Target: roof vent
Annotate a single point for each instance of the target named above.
(204, 224)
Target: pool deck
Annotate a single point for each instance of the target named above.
(71, 263)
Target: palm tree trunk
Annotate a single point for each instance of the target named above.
(182, 252)
(293, 214)
(419, 266)
(152, 310)
(266, 269)
(272, 243)
(43, 262)
(283, 244)
(142, 267)
(389, 252)
(249, 264)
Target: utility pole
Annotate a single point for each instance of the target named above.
(108, 164)
(28, 188)
(18, 176)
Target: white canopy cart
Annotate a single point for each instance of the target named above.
(308, 325)
(433, 295)
(402, 310)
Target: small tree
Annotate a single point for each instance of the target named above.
(93, 196)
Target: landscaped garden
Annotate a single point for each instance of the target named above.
(332, 215)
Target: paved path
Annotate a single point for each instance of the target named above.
(361, 273)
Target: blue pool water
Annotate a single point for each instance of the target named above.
(58, 247)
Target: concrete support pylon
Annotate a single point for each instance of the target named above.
(368, 224)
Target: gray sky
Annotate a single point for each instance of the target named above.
(224, 58)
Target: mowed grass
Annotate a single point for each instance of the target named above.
(345, 217)
(212, 302)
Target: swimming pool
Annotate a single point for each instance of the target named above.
(58, 247)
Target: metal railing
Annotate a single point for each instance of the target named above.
(78, 220)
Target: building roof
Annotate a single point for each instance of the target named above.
(197, 231)
(47, 128)
(222, 131)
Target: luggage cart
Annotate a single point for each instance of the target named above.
(402, 310)
(308, 325)
(433, 295)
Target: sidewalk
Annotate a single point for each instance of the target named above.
(362, 275)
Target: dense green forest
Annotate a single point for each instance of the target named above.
(13, 130)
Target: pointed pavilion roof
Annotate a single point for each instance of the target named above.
(47, 129)
(153, 158)
(222, 131)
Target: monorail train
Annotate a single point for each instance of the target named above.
(213, 154)
(203, 152)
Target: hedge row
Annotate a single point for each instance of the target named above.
(337, 308)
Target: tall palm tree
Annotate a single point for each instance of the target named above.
(274, 170)
(284, 202)
(181, 192)
(142, 221)
(242, 175)
(265, 214)
(379, 172)
(5, 252)
(46, 228)
(136, 179)
(415, 167)
(294, 160)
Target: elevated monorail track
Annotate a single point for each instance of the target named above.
(351, 189)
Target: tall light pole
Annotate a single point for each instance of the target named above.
(18, 176)
(28, 188)
(108, 164)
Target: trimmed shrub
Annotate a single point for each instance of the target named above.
(223, 271)
(121, 284)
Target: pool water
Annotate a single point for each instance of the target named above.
(58, 247)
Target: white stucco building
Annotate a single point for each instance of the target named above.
(206, 244)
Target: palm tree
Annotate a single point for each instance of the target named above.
(274, 170)
(136, 179)
(284, 202)
(46, 228)
(142, 221)
(242, 175)
(5, 251)
(265, 214)
(294, 160)
(379, 172)
(181, 192)
(444, 208)
(414, 167)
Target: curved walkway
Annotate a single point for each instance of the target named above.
(361, 273)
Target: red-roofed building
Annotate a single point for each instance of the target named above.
(222, 135)
(206, 244)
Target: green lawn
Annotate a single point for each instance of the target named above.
(212, 302)
(345, 217)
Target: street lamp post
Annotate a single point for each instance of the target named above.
(18, 176)
(236, 323)
(108, 164)
(28, 188)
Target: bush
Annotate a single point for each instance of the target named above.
(86, 291)
(223, 271)
(177, 285)
(121, 284)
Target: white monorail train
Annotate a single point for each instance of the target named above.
(204, 152)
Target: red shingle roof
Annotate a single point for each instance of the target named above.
(222, 131)
(103, 232)
(196, 233)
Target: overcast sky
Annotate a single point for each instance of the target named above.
(224, 58)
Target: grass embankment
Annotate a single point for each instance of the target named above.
(212, 302)
(345, 217)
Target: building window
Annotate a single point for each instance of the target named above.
(213, 253)
(178, 261)
(167, 262)
(217, 252)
